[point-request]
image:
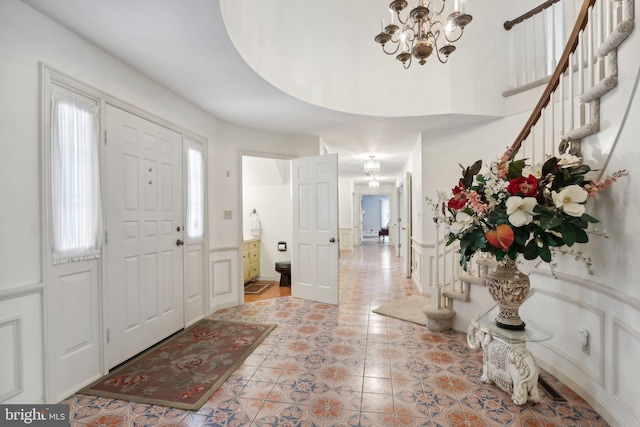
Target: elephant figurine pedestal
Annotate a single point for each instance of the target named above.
(506, 360)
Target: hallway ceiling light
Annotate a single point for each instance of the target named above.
(374, 183)
(419, 32)
(371, 166)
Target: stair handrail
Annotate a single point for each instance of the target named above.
(510, 24)
(554, 81)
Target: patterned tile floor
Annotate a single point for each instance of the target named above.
(345, 366)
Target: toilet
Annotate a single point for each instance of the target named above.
(284, 268)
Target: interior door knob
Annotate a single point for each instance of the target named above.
(179, 242)
(332, 240)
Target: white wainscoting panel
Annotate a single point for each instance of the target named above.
(193, 283)
(346, 239)
(626, 373)
(11, 355)
(225, 282)
(21, 349)
(73, 328)
(552, 307)
(416, 267)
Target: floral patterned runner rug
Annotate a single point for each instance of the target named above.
(184, 371)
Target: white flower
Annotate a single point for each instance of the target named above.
(463, 221)
(570, 199)
(535, 170)
(520, 210)
(565, 160)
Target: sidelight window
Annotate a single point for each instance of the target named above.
(75, 178)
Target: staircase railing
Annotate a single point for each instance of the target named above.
(535, 43)
(569, 107)
(567, 111)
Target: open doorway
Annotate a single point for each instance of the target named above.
(374, 220)
(266, 225)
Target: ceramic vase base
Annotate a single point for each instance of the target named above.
(509, 327)
(508, 287)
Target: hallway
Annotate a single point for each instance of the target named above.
(345, 366)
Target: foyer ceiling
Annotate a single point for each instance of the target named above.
(313, 88)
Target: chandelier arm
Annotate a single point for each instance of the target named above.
(446, 58)
(439, 12)
(411, 34)
(455, 39)
(408, 18)
(407, 64)
(393, 52)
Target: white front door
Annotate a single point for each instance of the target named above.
(144, 257)
(314, 266)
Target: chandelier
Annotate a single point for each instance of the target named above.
(374, 183)
(418, 34)
(371, 166)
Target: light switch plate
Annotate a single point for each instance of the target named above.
(227, 214)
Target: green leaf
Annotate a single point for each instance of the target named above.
(497, 217)
(549, 166)
(568, 234)
(545, 254)
(581, 236)
(515, 168)
(549, 222)
(589, 218)
(520, 236)
(467, 241)
(475, 168)
(531, 250)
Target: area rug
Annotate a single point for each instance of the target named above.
(409, 309)
(256, 288)
(184, 371)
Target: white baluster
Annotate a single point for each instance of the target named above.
(543, 126)
(590, 49)
(552, 130)
(554, 61)
(561, 93)
(608, 18)
(570, 95)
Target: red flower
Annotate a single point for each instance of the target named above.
(458, 200)
(525, 187)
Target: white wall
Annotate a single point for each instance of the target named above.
(266, 187)
(225, 189)
(26, 39)
(346, 202)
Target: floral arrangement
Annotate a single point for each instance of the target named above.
(515, 208)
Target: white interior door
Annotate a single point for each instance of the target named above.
(407, 224)
(314, 266)
(401, 218)
(144, 262)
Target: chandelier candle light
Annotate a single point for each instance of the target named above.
(418, 34)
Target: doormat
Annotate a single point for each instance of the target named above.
(256, 288)
(187, 369)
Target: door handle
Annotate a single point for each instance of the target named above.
(179, 242)
(332, 240)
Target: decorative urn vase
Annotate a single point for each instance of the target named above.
(508, 287)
